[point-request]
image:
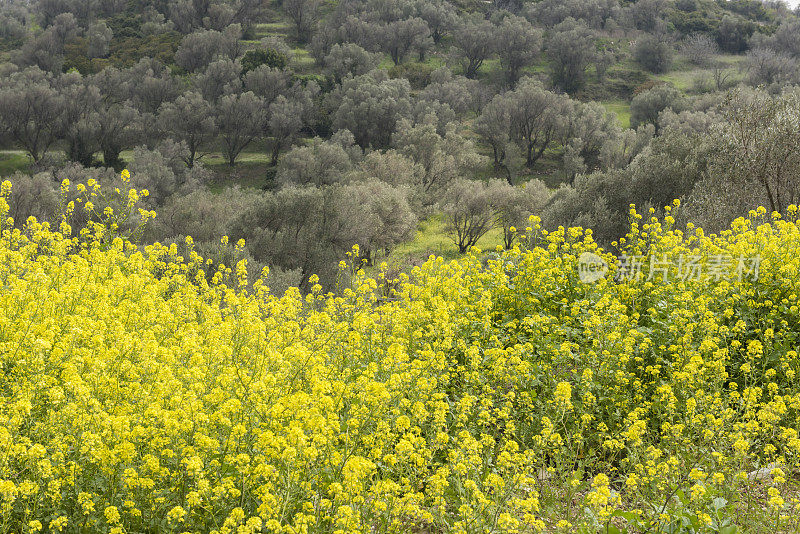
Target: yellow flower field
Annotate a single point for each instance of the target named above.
(493, 394)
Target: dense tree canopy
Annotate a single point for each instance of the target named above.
(370, 106)
(389, 105)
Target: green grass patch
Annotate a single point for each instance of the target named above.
(252, 169)
(489, 70)
(279, 28)
(303, 61)
(622, 110)
(249, 172)
(12, 161)
(681, 79)
(683, 74)
(734, 60)
(541, 67)
(431, 238)
(253, 155)
(681, 63)
(434, 59)
(620, 82)
(386, 63)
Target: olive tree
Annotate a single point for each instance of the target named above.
(45, 50)
(458, 92)
(304, 14)
(494, 126)
(34, 196)
(536, 119)
(388, 216)
(322, 163)
(468, 212)
(442, 158)
(220, 77)
(162, 172)
(285, 121)
(199, 49)
(618, 152)
(759, 143)
(98, 36)
(398, 37)
(594, 13)
(512, 206)
(190, 15)
(31, 115)
(309, 228)
(646, 106)
(80, 125)
(349, 59)
(153, 89)
(361, 30)
(267, 82)
(370, 106)
(587, 129)
(571, 49)
(440, 15)
(190, 119)
(474, 41)
(117, 130)
(518, 44)
(240, 120)
(201, 213)
(653, 52)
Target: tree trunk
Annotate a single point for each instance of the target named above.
(276, 150)
(111, 159)
(189, 160)
(508, 175)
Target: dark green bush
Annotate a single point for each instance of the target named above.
(270, 57)
(417, 74)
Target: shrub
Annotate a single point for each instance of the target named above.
(646, 106)
(417, 74)
(653, 53)
(270, 57)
